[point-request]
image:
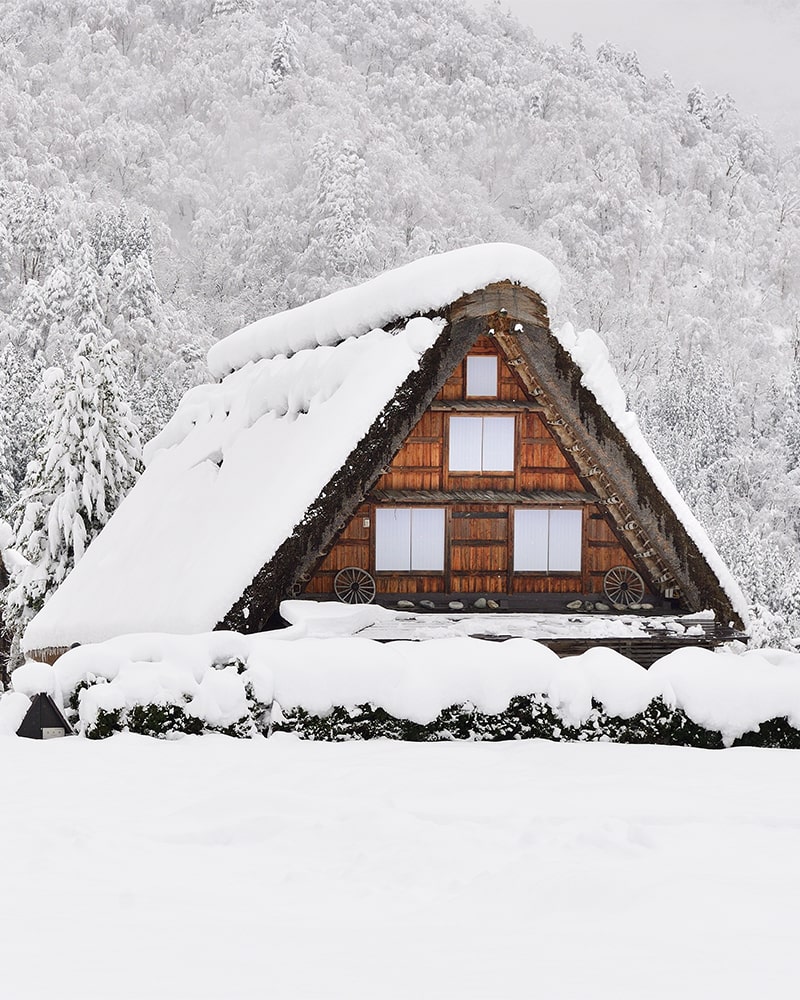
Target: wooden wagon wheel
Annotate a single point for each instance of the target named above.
(354, 586)
(623, 585)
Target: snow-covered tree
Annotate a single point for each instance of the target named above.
(283, 57)
(57, 291)
(138, 296)
(86, 458)
(111, 232)
(6, 479)
(31, 319)
(87, 313)
(113, 278)
(21, 414)
(697, 105)
(341, 236)
(32, 229)
(223, 8)
(122, 460)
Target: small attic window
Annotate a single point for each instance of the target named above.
(482, 375)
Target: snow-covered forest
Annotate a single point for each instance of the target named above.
(172, 170)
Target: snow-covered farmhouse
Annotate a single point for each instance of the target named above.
(423, 437)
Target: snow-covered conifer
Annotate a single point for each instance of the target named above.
(30, 319)
(54, 519)
(113, 277)
(21, 415)
(697, 105)
(223, 8)
(32, 230)
(57, 291)
(111, 232)
(5, 256)
(342, 231)
(138, 296)
(86, 458)
(87, 314)
(283, 58)
(6, 479)
(722, 106)
(123, 452)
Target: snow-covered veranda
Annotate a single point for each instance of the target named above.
(219, 868)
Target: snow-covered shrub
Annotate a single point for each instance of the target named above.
(445, 689)
(528, 717)
(222, 702)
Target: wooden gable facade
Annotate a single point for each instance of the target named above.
(484, 511)
(562, 501)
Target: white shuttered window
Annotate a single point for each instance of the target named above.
(498, 444)
(466, 443)
(481, 375)
(547, 541)
(392, 538)
(481, 444)
(564, 554)
(427, 539)
(409, 539)
(530, 540)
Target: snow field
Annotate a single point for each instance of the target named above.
(211, 868)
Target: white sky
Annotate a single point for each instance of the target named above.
(750, 48)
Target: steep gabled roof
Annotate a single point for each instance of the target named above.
(255, 475)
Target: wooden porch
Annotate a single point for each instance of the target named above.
(643, 637)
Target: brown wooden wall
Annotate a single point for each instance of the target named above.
(478, 536)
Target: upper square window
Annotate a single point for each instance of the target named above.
(481, 375)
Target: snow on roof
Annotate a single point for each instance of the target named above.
(236, 468)
(423, 286)
(227, 481)
(591, 355)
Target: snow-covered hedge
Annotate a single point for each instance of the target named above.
(343, 688)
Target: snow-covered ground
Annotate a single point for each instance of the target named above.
(220, 868)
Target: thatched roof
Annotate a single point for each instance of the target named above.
(255, 476)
